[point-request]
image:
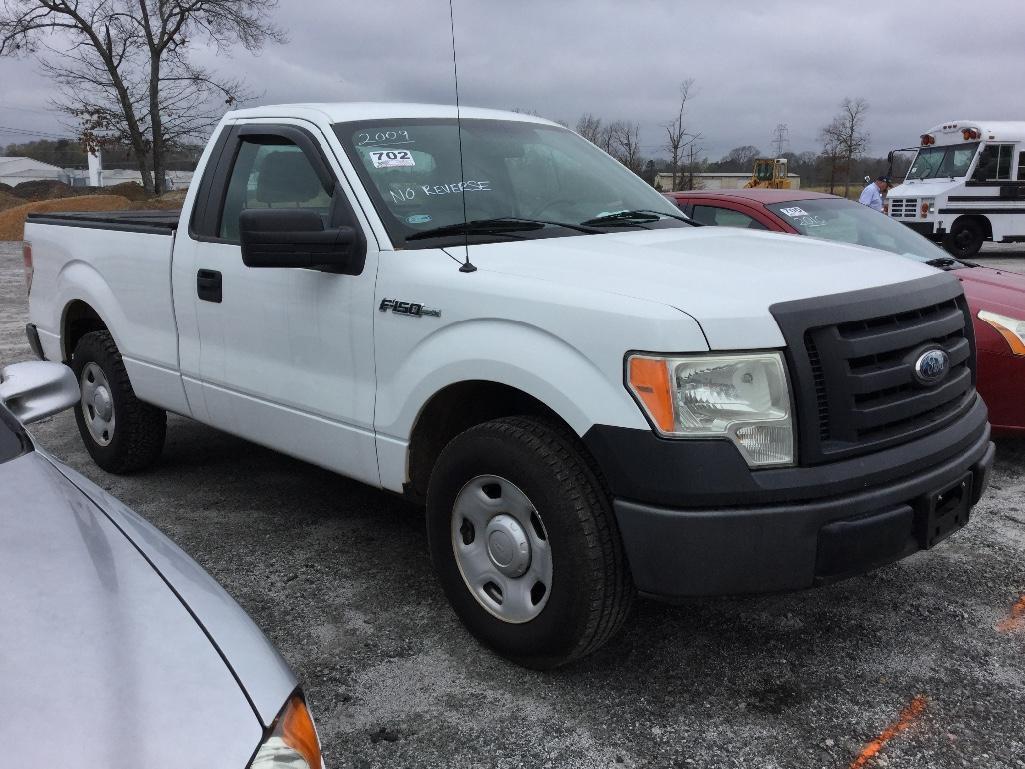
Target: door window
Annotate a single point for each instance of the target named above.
(994, 163)
(725, 217)
(270, 174)
(1021, 166)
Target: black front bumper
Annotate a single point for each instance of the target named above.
(928, 229)
(694, 522)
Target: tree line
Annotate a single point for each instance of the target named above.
(839, 164)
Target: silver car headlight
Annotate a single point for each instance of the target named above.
(743, 398)
(291, 741)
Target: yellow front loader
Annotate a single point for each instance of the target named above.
(769, 173)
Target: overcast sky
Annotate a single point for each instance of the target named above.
(916, 62)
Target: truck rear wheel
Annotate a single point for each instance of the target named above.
(525, 544)
(121, 433)
(964, 240)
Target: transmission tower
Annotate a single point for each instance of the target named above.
(780, 138)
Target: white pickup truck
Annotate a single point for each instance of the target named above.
(592, 396)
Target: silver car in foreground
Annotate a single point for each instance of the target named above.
(116, 648)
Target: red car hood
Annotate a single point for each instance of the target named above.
(996, 290)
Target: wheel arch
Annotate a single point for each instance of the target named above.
(78, 318)
(985, 225)
(458, 407)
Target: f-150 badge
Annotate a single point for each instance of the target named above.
(413, 309)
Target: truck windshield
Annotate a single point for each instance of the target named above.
(849, 222)
(537, 175)
(947, 162)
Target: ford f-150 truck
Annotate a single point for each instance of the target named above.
(592, 396)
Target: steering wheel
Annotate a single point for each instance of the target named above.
(536, 212)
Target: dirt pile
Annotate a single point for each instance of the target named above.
(47, 189)
(7, 200)
(170, 201)
(131, 190)
(12, 221)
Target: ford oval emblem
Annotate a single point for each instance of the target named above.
(932, 366)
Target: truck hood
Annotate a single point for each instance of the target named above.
(101, 663)
(726, 279)
(926, 188)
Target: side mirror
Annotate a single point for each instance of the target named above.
(296, 237)
(37, 389)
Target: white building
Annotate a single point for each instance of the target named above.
(14, 170)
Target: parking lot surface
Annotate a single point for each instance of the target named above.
(919, 664)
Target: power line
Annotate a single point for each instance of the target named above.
(780, 138)
(29, 132)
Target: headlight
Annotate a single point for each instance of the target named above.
(292, 742)
(927, 206)
(742, 397)
(1011, 329)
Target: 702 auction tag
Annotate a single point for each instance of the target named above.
(391, 158)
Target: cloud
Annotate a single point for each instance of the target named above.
(917, 63)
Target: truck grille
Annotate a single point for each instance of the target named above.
(903, 208)
(854, 367)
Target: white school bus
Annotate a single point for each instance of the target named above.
(965, 186)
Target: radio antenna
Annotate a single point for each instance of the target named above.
(466, 266)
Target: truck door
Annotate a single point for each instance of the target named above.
(281, 356)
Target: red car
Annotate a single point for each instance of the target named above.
(996, 298)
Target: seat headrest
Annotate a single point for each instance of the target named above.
(286, 177)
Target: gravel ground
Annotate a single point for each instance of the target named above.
(922, 655)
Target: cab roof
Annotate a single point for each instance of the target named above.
(341, 112)
(991, 130)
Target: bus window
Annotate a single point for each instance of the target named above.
(994, 163)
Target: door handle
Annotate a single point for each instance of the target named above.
(208, 285)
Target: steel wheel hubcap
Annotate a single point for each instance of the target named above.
(501, 548)
(97, 404)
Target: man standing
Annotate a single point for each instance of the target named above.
(872, 195)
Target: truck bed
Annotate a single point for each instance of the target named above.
(163, 222)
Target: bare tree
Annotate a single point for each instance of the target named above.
(627, 144)
(740, 158)
(678, 137)
(845, 138)
(690, 182)
(589, 127)
(122, 66)
(830, 152)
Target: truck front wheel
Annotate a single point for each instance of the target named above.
(965, 239)
(525, 544)
(121, 433)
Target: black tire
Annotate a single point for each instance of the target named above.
(591, 591)
(964, 239)
(139, 428)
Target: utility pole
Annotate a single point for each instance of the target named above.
(780, 138)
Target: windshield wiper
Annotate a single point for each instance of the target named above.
(942, 262)
(636, 217)
(503, 225)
